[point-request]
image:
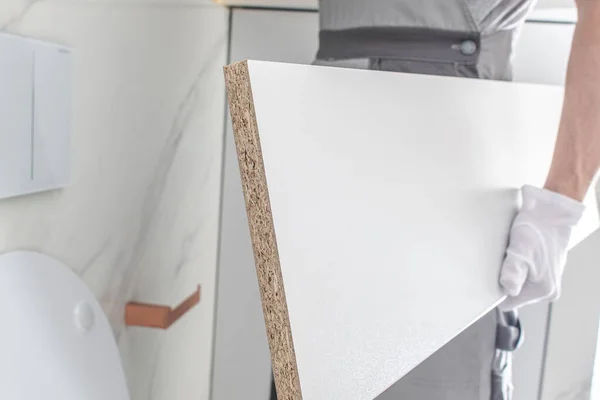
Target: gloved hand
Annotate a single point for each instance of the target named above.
(537, 250)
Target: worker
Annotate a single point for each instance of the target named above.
(475, 39)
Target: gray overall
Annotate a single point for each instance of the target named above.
(468, 38)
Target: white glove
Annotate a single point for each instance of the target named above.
(537, 250)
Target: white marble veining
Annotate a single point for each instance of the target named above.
(140, 218)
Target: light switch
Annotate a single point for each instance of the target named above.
(35, 115)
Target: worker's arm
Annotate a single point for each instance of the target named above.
(536, 254)
(577, 155)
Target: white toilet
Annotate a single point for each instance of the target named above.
(55, 340)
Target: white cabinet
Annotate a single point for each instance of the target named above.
(542, 53)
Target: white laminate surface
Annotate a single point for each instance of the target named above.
(392, 196)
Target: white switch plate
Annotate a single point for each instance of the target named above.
(35, 115)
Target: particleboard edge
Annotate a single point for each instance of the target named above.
(262, 232)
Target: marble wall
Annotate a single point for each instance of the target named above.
(140, 218)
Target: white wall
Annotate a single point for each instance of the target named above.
(139, 220)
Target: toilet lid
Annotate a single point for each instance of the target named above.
(55, 342)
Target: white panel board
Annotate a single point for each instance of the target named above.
(391, 196)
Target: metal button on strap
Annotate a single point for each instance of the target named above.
(468, 47)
